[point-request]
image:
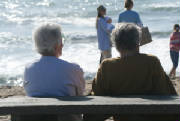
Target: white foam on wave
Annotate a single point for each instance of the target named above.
(46, 3)
(164, 4)
(87, 55)
(88, 22)
(9, 5)
(36, 20)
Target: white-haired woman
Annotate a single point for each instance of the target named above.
(133, 73)
(50, 76)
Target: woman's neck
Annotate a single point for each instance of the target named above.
(128, 53)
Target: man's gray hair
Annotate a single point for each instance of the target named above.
(126, 36)
(46, 37)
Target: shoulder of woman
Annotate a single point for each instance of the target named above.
(100, 18)
(150, 58)
(135, 13)
(173, 34)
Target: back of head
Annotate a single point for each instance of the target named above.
(99, 9)
(176, 27)
(126, 36)
(46, 37)
(128, 4)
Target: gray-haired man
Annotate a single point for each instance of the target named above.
(50, 76)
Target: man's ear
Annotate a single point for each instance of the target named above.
(56, 47)
(58, 50)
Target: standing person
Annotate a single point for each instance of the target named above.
(174, 49)
(104, 43)
(130, 16)
(50, 76)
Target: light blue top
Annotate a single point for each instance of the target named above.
(103, 34)
(53, 77)
(129, 16)
(110, 27)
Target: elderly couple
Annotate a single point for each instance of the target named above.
(104, 26)
(131, 74)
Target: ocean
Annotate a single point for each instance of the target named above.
(18, 18)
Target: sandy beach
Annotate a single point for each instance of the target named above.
(8, 91)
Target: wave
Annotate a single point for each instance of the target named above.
(169, 6)
(161, 34)
(8, 39)
(93, 37)
(36, 18)
(165, 5)
(18, 79)
(46, 3)
(75, 36)
(26, 4)
(11, 80)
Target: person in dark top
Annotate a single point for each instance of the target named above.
(133, 73)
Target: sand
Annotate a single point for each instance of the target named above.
(8, 91)
(176, 83)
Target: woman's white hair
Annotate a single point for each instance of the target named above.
(126, 36)
(46, 37)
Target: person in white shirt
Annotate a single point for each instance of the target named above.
(50, 76)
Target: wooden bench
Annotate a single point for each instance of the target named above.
(19, 107)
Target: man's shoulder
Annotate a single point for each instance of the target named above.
(70, 64)
(75, 66)
(56, 62)
(32, 64)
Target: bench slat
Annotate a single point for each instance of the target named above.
(91, 104)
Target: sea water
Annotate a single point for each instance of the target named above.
(18, 18)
